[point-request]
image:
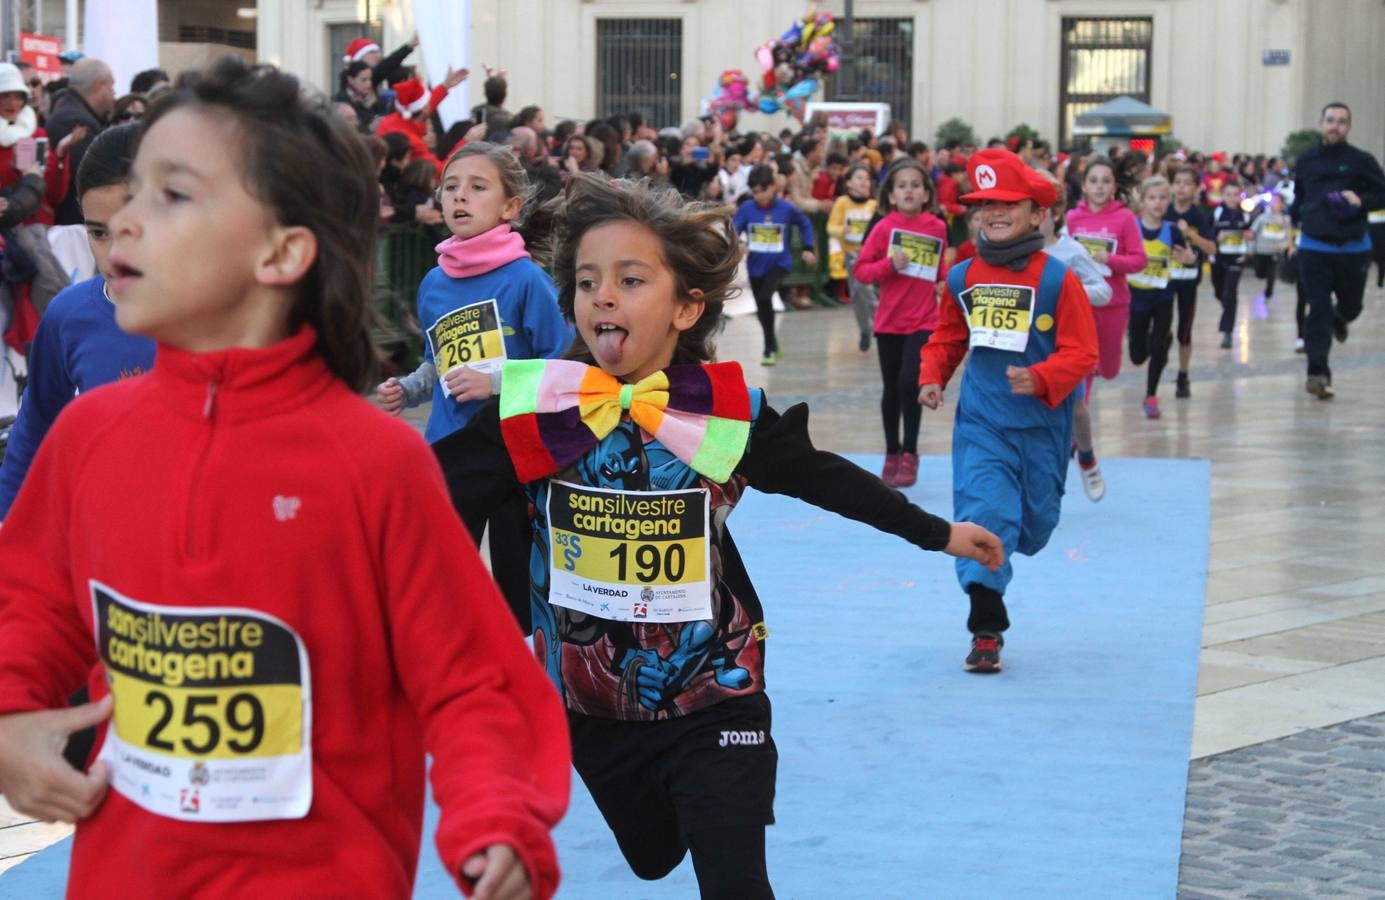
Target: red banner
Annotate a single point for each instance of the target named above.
(41, 51)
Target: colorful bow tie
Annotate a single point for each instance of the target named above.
(553, 411)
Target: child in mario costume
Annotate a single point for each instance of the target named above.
(1029, 327)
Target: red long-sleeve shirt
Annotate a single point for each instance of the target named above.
(907, 304)
(1056, 376)
(255, 480)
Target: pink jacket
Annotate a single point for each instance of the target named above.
(1113, 221)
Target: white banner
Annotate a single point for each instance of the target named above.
(444, 34)
(124, 35)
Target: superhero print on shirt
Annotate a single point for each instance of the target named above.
(635, 670)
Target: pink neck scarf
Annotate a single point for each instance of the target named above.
(477, 255)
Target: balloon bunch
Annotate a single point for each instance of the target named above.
(731, 96)
(791, 66)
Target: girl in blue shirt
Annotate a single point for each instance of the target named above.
(487, 301)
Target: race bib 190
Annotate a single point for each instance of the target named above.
(213, 710)
(924, 252)
(1180, 272)
(1376, 217)
(629, 556)
(469, 336)
(766, 237)
(1273, 232)
(999, 315)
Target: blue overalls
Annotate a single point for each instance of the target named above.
(1009, 453)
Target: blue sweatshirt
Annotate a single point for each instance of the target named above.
(767, 231)
(77, 347)
(530, 325)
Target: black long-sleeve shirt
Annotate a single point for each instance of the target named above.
(594, 659)
(1330, 168)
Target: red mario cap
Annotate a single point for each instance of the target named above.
(1219, 156)
(358, 48)
(1001, 175)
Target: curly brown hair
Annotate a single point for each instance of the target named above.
(699, 248)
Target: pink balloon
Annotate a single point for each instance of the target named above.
(765, 57)
(833, 63)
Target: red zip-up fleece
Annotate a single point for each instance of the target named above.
(255, 480)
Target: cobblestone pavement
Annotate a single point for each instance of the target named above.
(1303, 816)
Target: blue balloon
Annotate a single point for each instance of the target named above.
(793, 35)
(768, 104)
(803, 90)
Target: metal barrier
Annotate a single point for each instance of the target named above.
(403, 255)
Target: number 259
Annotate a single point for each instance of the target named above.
(244, 716)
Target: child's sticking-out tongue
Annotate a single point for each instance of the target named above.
(610, 344)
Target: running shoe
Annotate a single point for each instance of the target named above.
(864, 343)
(1298, 346)
(1226, 340)
(1151, 407)
(1182, 391)
(890, 473)
(908, 473)
(1339, 330)
(771, 357)
(1093, 485)
(984, 658)
(800, 301)
(1320, 386)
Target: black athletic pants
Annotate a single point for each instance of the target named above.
(1185, 294)
(1226, 279)
(899, 396)
(1149, 338)
(763, 288)
(1324, 275)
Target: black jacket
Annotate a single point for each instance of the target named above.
(1327, 169)
(69, 111)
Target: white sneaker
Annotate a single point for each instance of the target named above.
(1298, 346)
(1092, 482)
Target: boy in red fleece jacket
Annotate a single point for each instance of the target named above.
(1027, 322)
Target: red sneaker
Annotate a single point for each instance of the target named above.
(890, 473)
(908, 474)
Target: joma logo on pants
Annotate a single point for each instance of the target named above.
(742, 738)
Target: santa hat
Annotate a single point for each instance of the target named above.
(410, 96)
(358, 48)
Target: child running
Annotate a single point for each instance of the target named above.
(1108, 230)
(78, 346)
(848, 222)
(657, 643)
(1032, 340)
(904, 255)
(1271, 230)
(1151, 296)
(1061, 246)
(1233, 236)
(1191, 220)
(487, 301)
(279, 610)
(765, 220)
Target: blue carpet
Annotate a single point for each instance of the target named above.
(901, 775)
